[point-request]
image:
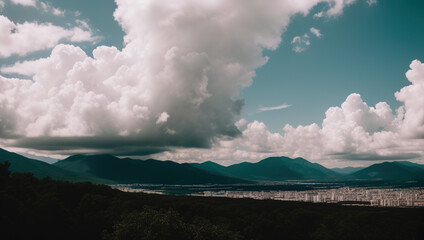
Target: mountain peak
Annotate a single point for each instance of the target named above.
(74, 157)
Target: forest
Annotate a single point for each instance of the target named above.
(33, 208)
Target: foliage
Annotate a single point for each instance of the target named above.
(34, 208)
(164, 224)
(4, 169)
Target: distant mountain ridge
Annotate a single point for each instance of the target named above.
(126, 170)
(108, 169)
(273, 169)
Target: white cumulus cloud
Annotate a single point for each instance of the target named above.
(27, 37)
(162, 118)
(413, 99)
(30, 3)
(188, 59)
(316, 32)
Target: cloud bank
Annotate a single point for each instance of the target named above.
(353, 131)
(176, 82)
(172, 92)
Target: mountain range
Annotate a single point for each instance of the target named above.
(273, 169)
(108, 169)
(127, 170)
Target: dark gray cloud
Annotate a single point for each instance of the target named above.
(376, 156)
(124, 146)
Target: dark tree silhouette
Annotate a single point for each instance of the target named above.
(150, 224)
(32, 208)
(4, 169)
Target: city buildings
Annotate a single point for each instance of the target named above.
(413, 197)
(384, 197)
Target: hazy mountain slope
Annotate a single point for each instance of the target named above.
(263, 170)
(389, 171)
(347, 170)
(307, 169)
(410, 164)
(41, 169)
(212, 167)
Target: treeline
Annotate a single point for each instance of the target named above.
(32, 208)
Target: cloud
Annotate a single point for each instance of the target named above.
(300, 43)
(189, 59)
(26, 3)
(264, 109)
(1, 5)
(27, 37)
(315, 32)
(162, 118)
(413, 99)
(319, 14)
(48, 8)
(353, 131)
(118, 145)
(334, 8)
(371, 2)
(378, 157)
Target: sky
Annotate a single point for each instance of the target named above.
(338, 82)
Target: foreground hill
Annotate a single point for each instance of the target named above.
(390, 171)
(41, 169)
(273, 169)
(128, 170)
(46, 209)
